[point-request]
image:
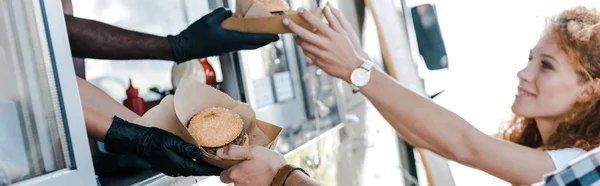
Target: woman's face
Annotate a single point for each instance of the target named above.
(548, 85)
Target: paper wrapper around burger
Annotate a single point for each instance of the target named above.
(192, 97)
(254, 17)
(163, 116)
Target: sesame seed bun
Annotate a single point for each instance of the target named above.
(275, 5)
(217, 127)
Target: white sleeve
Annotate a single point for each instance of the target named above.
(562, 157)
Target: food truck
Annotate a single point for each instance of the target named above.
(337, 136)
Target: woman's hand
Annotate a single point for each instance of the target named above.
(258, 168)
(349, 30)
(329, 47)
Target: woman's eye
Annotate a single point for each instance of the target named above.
(547, 65)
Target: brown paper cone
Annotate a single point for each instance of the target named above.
(257, 19)
(192, 97)
(257, 10)
(242, 7)
(163, 116)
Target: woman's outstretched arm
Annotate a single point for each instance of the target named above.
(445, 132)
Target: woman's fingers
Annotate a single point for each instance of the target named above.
(304, 34)
(341, 18)
(314, 50)
(311, 56)
(349, 31)
(334, 23)
(316, 22)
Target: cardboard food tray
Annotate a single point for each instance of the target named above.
(268, 25)
(253, 17)
(174, 112)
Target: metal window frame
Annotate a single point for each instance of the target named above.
(49, 16)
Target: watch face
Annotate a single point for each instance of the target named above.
(360, 77)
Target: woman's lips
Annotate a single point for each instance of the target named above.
(521, 92)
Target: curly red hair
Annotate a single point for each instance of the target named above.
(577, 31)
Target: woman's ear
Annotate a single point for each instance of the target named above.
(589, 90)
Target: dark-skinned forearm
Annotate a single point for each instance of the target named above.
(93, 39)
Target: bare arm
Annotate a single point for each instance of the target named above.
(405, 133)
(446, 132)
(99, 108)
(96, 123)
(93, 39)
(98, 100)
(453, 137)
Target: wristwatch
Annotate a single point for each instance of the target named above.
(361, 76)
(284, 173)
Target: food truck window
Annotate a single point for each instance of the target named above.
(38, 142)
(32, 137)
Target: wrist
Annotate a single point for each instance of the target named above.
(178, 54)
(167, 50)
(363, 54)
(354, 63)
(375, 74)
(275, 169)
(122, 136)
(285, 173)
(361, 75)
(296, 176)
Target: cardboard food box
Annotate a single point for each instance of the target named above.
(174, 112)
(253, 17)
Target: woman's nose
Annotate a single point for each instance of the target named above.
(526, 74)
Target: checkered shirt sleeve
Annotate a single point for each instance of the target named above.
(584, 170)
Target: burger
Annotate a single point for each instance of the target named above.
(217, 127)
(276, 7)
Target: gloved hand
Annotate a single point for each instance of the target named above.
(165, 151)
(205, 38)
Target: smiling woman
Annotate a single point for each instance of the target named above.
(555, 87)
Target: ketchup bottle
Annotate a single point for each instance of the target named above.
(209, 71)
(133, 102)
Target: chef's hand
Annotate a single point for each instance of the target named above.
(331, 46)
(206, 37)
(165, 151)
(259, 168)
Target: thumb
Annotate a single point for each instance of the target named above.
(220, 14)
(235, 152)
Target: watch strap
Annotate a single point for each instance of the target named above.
(367, 65)
(284, 173)
(355, 88)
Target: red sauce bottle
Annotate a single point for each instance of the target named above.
(133, 102)
(209, 71)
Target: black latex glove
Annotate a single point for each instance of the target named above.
(165, 151)
(205, 38)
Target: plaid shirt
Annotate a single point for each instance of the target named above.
(584, 170)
